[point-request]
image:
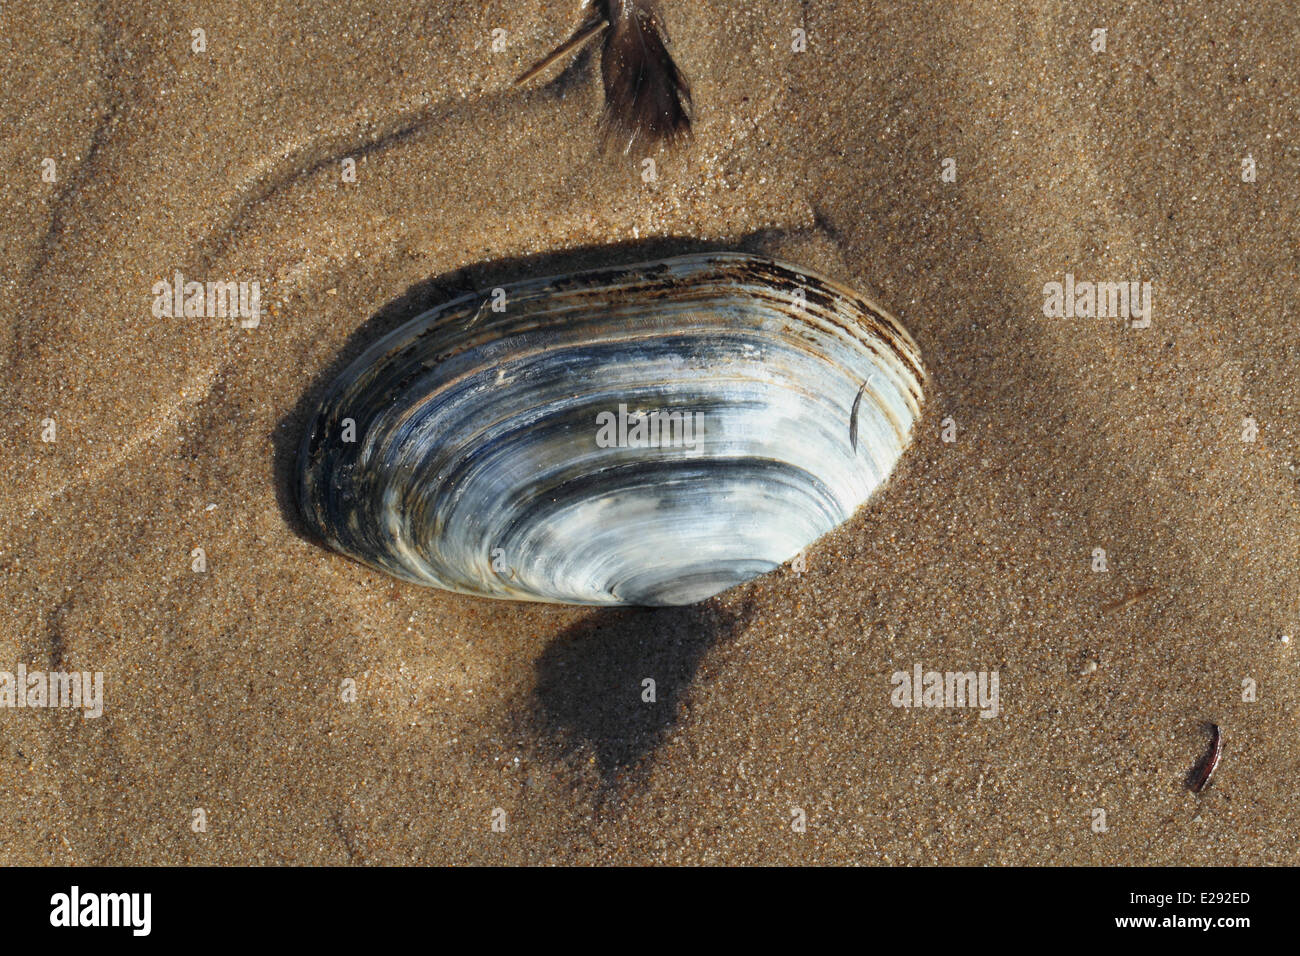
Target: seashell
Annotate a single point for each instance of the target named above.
(649, 434)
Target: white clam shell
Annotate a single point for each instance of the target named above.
(479, 464)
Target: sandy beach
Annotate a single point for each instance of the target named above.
(1104, 512)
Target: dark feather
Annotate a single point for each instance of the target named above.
(647, 100)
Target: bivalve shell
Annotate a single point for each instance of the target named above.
(649, 434)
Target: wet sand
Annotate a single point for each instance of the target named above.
(222, 688)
